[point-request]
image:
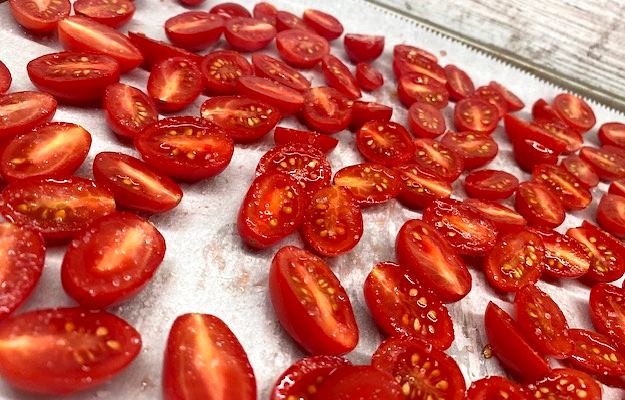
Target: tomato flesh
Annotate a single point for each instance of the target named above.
(416, 87)
(326, 110)
(114, 14)
(607, 161)
(611, 214)
(475, 115)
(194, 30)
(518, 130)
(607, 254)
(5, 78)
(265, 12)
(363, 111)
(425, 120)
(492, 95)
(222, 69)
(286, 20)
(339, 77)
(528, 153)
(513, 103)
(248, 34)
(610, 134)
(369, 183)
(230, 10)
(574, 111)
(617, 188)
(276, 70)
(323, 23)
(565, 257)
(566, 187)
(475, 149)
(538, 205)
(128, 110)
(287, 100)
(301, 48)
(37, 16)
(596, 353)
(325, 143)
(174, 84)
(438, 159)
(363, 48)
(503, 218)
(154, 51)
(490, 184)
(23, 111)
(560, 133)
(581, 169)
(419, 188)
(495, 388)
(459, 83)
(564, 383)
(409, 59)
(607, 311)
(385, 142)
(360, 382)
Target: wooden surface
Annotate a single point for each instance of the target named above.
(581, 41)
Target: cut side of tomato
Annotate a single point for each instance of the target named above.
(610, 134)
(407, 59)
(513, 103)
(369, 183)
(475, 149)
(503, 218)
(287, 100)
(114, 14)
(438, 159)
(435, 263)
(248, 34)
(154, 50)
(276, 70)
(363, 111)
(325, 143)
(222, 69)
(265, 12)
(574, 111)
(323, 23)
(301, 48)
(565, 257)
(475, 115)
(607, 254)
(607, 161)
(128, 110)
(174, 84)
(5, 78)
(611, 214)
(194, 30)
(385, 142)
(204, 360)
(23, 111)
(37, 16)
(339, 77)
(419, 188)
(363, 48)
(326, 110)
(490, 184)
(566, 187)
(607, 311)
(581, 169)
(518, 131)
(65, 350)
(310, 303)
(459, 83)
(538, 205)
(415, 87)
(617, 188)
(560, 133)
(596, 353)
(492, 95)
(360, 382)
(286, 20)
(495, 388)
(425, 120)
(564, 383)
(407, 51)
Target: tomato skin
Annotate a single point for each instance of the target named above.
(229, 65)
(194, 30)
(287, 100)
(605, 251)
(611, 214)
(22, 253)
(513, 103)
(41, 109)
(134, 185)
(294, 45)
(26, 13)
(322, 323)
(560, 132)
(606, 311)
(475, 115)
(436, 264)
(610, 134)
(617, 188)
(5, 78)
(111, 14)
(360, 382)
(490, 184)
(174, 84)
(154, 51)
(128, 110)
(565, 257)
(475, 149)
(323, 23)
(574, 111)
(204, 360)
(528, 153)
(318, 117)
(607, 161)
(401, 51)
(363, 111)
(191, 3)
(420, 188)
(579, 168)
(438, 159)
(495, 388)
(369, 183)
(339, 77)
(518, 130)
(325, 143)
(286, 20)
(407, 59)
(71, 28)
(230, 10)
(52, 338)
(608, 361)
(416, 87)
(265, 12)
(459, 84)
(97, 286)
(276, 70)
(385, 142)
(158, 148)
(363, 48)
(425, 120)
(401, 306)
(509, 346)
(248, 34)
(551, 387)
(306, 373)
(538, 205)
(503, 218)
(566, 187)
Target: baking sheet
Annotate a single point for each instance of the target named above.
(206, 268)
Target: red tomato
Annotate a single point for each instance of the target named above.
(301, 48)
(607, 311)
(416, 87)
(402, 306)
(82, 34)
(611, 134)
(560, 133)
(369, 183)
(611, 214)
(528, 153)
(436, 264)
(425, 120)
(580, 169)
(438, 159)
(57, 208)
(360, 382)
(55, 149)
(574, 111)
(411, 59)
(617, 187)
(503, 218)
(245, 119)
(339, 77)
(326, 110)
(514, 353)
(538, 205)
(492, 95)
(39, 17)
(22, 253)
(564, 383)
(5, 78)
(385, 142)
(406, 51)
(324, 24)
(310, 303)
(607, 161)
(596, 353)
(111, 260)
(409, 361)
(459, 84)
(272, 209)
(204, 360)
(65, 350)
(134, 185)
(286, 20)
(154, 51)
(513, 103)
(174, 84)
(185, 148)
(518, 130)
(230, 10)
(475, 115)
(128, 110)
(265, 12)
(420, 188)
(490, 184)
(541, 110)
(565, 257)
(304, 378)
(566, 187)
(191, 3)
(325, 143)
(194, 30)
(607, 254)
(462, 226)
(114, 14)
(305, 163)
(495, 388)
(23, 111)
(249, 34)
(287, 100)
(333, 222)
(475, 149)
(363, 48)
(222, 69)
(276, 70)
(363, 111)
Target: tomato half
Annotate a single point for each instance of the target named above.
(222, 69)
(509, 346)
(286, 20)
(475, 115)
(566, 187)
(128, 110)
(574, 111)
(607, 254)
(580, 169)
(560, 132)
(596, 353)
(154, 50)
(305, 163)
(419, 188)
(339, 77)
(323, 23)
(528, 153)
(611, 134)
(325, 143)
(363, 111)
(363, 48)
(360, 382)
(607, 161)
(369, 183)
(564, 383)
(407, 51)
(304, 378)
(174, 84)
(333, 222)
(265, 11)
(492, 95)
(426, 120)
(513, 103)
(272, 209)
(111, 260)
(134, 184)
(5, 78)
(410, 361)
(385, 142)
(459, 83)
(435, 263)
(495, 388)
(185, 148)
(22, 254)
(106, 12)
(565, 257)
(407, 59)
(503, 218)
(276, 70)
(416, 87)
(204, 360)
(230, 10)
(402, 306)
(23, 111)
(617, 188)
(607, 311)
(65, 350)
(611, 214)
(191, 3)
(57, 208)
(194, 30)
(82, 34)
(326, 110)
(248, 34)
(538, 205)
(300, 48)
(490, 184)
(438, 159)
(37, 16)
(310, 303)
(475, 149)
(287, 100)
(518, 130)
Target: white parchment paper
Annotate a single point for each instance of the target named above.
(206, 268)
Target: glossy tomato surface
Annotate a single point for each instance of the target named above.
(362, 47)
(323, 23)
(581, 169)
(174, 84)
(611, 214)
(128, 110)
(326, 110)
(563, 383)
(513, 102)
(490, 184)
(563, 185)
(325, 143)
(114, 14)
(287, 100)
(339, 77)
(230, 10)
(495, 388)
(360, 382)
(492, 95)
(268, 67)
(574, 111)
(475, 149)
(425, 120)
(265, 11)
(505, 219)
(194, 30)
(417, 87)
(364, 111)
(438, 159)
(369, 183)
(565, 257)
(154, 50)
(286, 20)
(39, 17)
(607, 161)
(5, 78)
(607, 311)
(528, 153)
(459, 83)
(420, 188)
(23, 111)
(596, 353)
(538, 205)
(612, 134)
(475, 115)
(385, 142)
(607, 254)
(301, 48)
(248, 34)
(221, 69)
(409, 59)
